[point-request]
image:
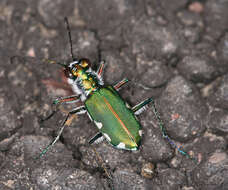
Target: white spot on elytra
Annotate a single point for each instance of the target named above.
(127, 105)
(98, 124)
(140, 133)
(121, 145)
(107, 137)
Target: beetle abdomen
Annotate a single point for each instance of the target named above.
(114, 119)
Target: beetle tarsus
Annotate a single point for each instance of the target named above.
(164, 134)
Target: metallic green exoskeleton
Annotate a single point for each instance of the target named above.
(114, 118)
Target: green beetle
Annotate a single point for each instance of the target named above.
(114, 118)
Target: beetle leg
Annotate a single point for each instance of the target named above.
(101, 69)
(70, 116)
(97, 138)
(142, 106)
(120, 84)
(99, 72)
(57, 102)
(109, 175)
(165, 135)
(67, 99)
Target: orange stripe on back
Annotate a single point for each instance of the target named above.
(121, 122)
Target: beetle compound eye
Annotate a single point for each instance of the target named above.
(85, 63)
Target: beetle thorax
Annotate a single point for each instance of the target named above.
(82, 78)
(87, 82)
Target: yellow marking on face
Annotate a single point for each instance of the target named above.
(87, 84)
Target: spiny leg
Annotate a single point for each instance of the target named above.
(67, 122)
(120, 84)
(142, 106)
(59, 101)
(164, 134)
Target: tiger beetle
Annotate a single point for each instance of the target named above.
(115, 119)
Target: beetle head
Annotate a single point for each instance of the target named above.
(77, 68)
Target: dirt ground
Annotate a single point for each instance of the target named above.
(174, 51)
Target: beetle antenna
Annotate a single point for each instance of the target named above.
(70, 40)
